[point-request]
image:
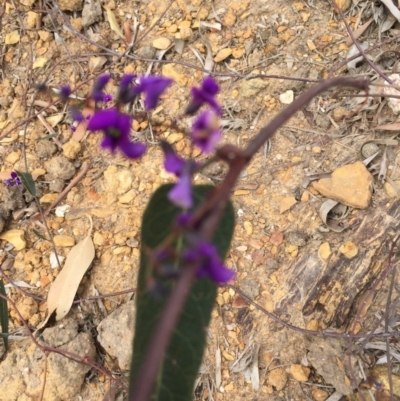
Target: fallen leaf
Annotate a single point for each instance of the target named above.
(64, 287)
(55, 119)
(113, 23)
(334, 225)
(389, 127)
(80, 130)
(358, 32)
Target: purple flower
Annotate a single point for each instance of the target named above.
(205, 94)
(14, 180)
(153, 87)
(205, 133)
(98, 87)
(126, 94)
(107, 98)
(76, 114)
(172, 162)
(116, 127)
(65, 91)
(210, 264)
(181, 194)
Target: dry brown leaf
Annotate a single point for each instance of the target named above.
(114, 24)
(389, 127)
(63, 289)
(358, 32)
(80, 130)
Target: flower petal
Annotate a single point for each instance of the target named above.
(181, 193)
(132, 150)
(102, 120)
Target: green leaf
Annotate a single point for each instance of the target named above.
(27, 182)
(181, 363)
(3, 315)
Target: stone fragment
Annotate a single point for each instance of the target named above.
(70, 5)
(16, 238)
(286, 203)
(98, 239)
(349, 250)
(37, 173)
(324, 251)
(91, 13)
(31, 20)
(276, 238)
(12, 38)
(390, 190)
(238, 52)
(344, 5)
(147, 52)
(22, 372)
(286, 97)
(278, 378)
(185, 33)
(118, 180)
(248, 227)
(128, 197)
(96, 63)
(27, 307)
(296, 238)
(48, 198)
(230, 18)
(46, 36)
(116, 334)
(369, 149)
(71, 149)
(161, 43)
(318, 394)
(251, 87)
(351, 185)
(300, 372)
(40, 62)
(56, 185)
(223, 54)
(45, 148)
(13, 157)
(61, 167)
(64, 240)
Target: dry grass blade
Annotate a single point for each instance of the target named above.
(64, 287)
(114, 24)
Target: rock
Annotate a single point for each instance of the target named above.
(296, 238)
(148, 52)
(28, 3)
(316, 150)
(327, 361)
(45, 148)
(13, 157)
(349, 250)
(277, 378)
(46, 36)
(31, 20)
(56, 185)
(230, 18)
(48, 198)
(128, 197)
(248, 227)
(27, 307)
(380, 375)
(390, 189)
(161, 43)
(40, 62)
(369, 149)
(12, 38)
(344, 5)
(223, 54)
(98, 239)
(61, 167)
(238, 52)
(351, 185)
(118, 180)
(96, 64)
(185, 33)
(116, 334)
(70, 5)
(250, 288)
(16, 238)
(251, 87)
(71, 149)
(324, 251)
(286, 203)
(319, 394)
(22, 371)
(286, 97)
(276, 238)
(300, 372)
(91, 13)
(64, 240)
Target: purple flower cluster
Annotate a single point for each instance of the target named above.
(115, 125)
(13, 181)
(205, 134)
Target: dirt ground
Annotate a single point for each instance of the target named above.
(286, 258)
